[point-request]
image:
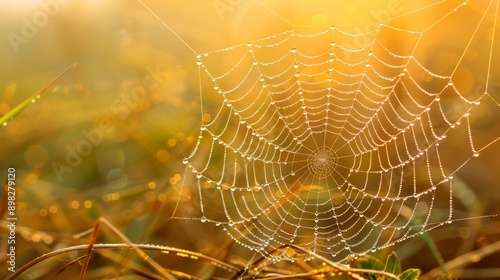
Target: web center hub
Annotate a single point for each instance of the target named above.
(322, 162)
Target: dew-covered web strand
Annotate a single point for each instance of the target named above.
(317, 143)
(188, 46)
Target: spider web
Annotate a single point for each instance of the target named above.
(340, 140)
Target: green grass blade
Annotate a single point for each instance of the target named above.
(19, 108)
(392, 265)
(435, 252)
(410, 274)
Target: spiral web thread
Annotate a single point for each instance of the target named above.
(342, 150)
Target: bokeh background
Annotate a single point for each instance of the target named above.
(135, 95)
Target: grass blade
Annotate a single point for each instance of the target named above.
(19, 108)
